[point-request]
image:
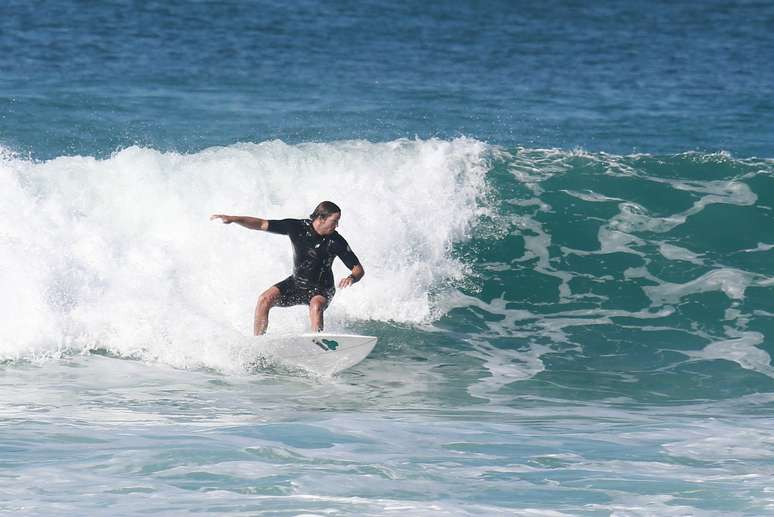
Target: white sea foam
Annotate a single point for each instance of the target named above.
(591, 196)
(742, 349)
(719, 440)
(732, 282)
(762, 246)
(672, 252)
(633, 217)
(647, 505)
(536, 246)
(120, 253)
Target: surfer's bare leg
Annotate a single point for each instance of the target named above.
(267, 300)
(316, 309)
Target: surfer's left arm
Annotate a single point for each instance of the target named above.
(355, 276)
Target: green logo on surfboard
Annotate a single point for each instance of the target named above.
(326, 344)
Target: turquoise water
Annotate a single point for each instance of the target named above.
(565, 217)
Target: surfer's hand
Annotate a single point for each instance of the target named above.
(227, 219)
(346, 282)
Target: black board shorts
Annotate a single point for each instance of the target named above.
(292, 293)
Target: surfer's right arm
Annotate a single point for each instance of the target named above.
(253, 223)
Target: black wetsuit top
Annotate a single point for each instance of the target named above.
(313, 254)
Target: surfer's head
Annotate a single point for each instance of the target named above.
(325, 217)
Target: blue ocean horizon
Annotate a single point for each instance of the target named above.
(565, 212)
(89, 79)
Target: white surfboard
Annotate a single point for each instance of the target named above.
(323, 353)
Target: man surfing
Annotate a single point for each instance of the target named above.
(316, 243)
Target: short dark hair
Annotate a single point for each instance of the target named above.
(324, 210)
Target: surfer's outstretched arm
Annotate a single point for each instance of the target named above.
(253, 223)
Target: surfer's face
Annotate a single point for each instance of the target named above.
(328, 225)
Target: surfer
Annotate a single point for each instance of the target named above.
(316, 243)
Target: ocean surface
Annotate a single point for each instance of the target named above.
(565, 212)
